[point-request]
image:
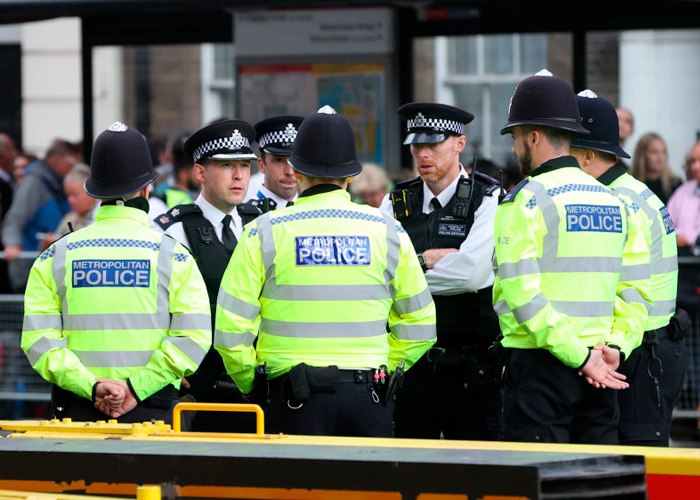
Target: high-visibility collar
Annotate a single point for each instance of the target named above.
(555, 164)
(613, 173)
(117, 212)
(308, 196)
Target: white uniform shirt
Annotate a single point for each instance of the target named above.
(470, 268)
(254, 185)
(213, 215)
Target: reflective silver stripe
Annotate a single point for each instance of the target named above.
(665, 265)
(583, 265)
(663, 307)
(237, 306)
(267, 246)
(190, 322)
(393, 253)
(632, 296)
(584, 309)
(520, 268)
(189, 348)
(501, 308)
(636, 272)
(164, 272)
(326, 292)
(414, 303)
(414, 332)
(529, 310)
(229, 340)
(58, 269)
(114, 359)
(122, 321)
(42, 346)
(550, 243)
(34, 322)
(323, 330)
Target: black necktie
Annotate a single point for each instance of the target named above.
(229, 239)
(290, 203)
(435, 203)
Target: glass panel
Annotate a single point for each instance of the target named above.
(469, 98)
(224, 56)
(463, 56)
(501, 145)
(533, 53)
(498, 54)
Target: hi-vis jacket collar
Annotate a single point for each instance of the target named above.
(555, 164)
(613, 173)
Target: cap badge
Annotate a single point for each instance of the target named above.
(419, 121)
(237, 138)
(544, 72)
(290, 133)
(117, 127)
(327, 110)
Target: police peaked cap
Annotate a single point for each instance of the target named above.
(325, 147)
(276, 135)
(544, 99)
(431, 123)
(599, 117)
(121, 164)
(226, 140)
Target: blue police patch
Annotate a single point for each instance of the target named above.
(111, 273)
(668, 222)
(332, 251)
(598, 218)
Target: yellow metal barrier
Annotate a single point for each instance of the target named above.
(249, 408)
(145, 492)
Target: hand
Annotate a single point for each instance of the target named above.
(46, 241)
(12, 252)
(127, 404)
(434, 255)
(185, 384)
(682, 241)
(109, 395)
(599, 373)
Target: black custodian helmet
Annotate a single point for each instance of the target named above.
(325, 147)
(600, 119)
(121, 163)
(544, 99)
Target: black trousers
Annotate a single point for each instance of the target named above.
(435, 401)
(349, 411)
(645, 414)
(549, 402)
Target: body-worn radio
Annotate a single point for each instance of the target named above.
(465, 191)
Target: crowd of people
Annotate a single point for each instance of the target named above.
(469, 301)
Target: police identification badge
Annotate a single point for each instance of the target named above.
(668, 222)
(332, 251)
(597, 218)
(111, 273)
(452, 229)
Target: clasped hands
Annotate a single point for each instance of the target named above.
(114, 398)
(600, 368)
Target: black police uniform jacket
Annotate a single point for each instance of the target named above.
(465, 319)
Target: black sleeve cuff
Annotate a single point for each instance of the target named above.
(585, 360)
(131, 388)
(622, 354)
(94, 391)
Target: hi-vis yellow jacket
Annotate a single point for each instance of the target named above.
(116, 300)
(318, 283)
(661, 238)
(563, 242)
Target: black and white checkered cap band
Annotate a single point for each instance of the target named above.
(436, 124)
(231, 143)
(277, 137)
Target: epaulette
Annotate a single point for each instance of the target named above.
(489, 184)
(251, 207)
(514, 192)
(407, 184)
(174, 215)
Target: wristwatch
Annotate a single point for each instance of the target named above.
(421, 261)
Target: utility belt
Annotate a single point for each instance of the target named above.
(302, 381)
(472, 363)
(677, 329)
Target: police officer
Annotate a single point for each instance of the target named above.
(562, 240)
(116, 300)
(275, 137)
(448, 215)
(656, 369)
(315, 285)
(210, 228)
